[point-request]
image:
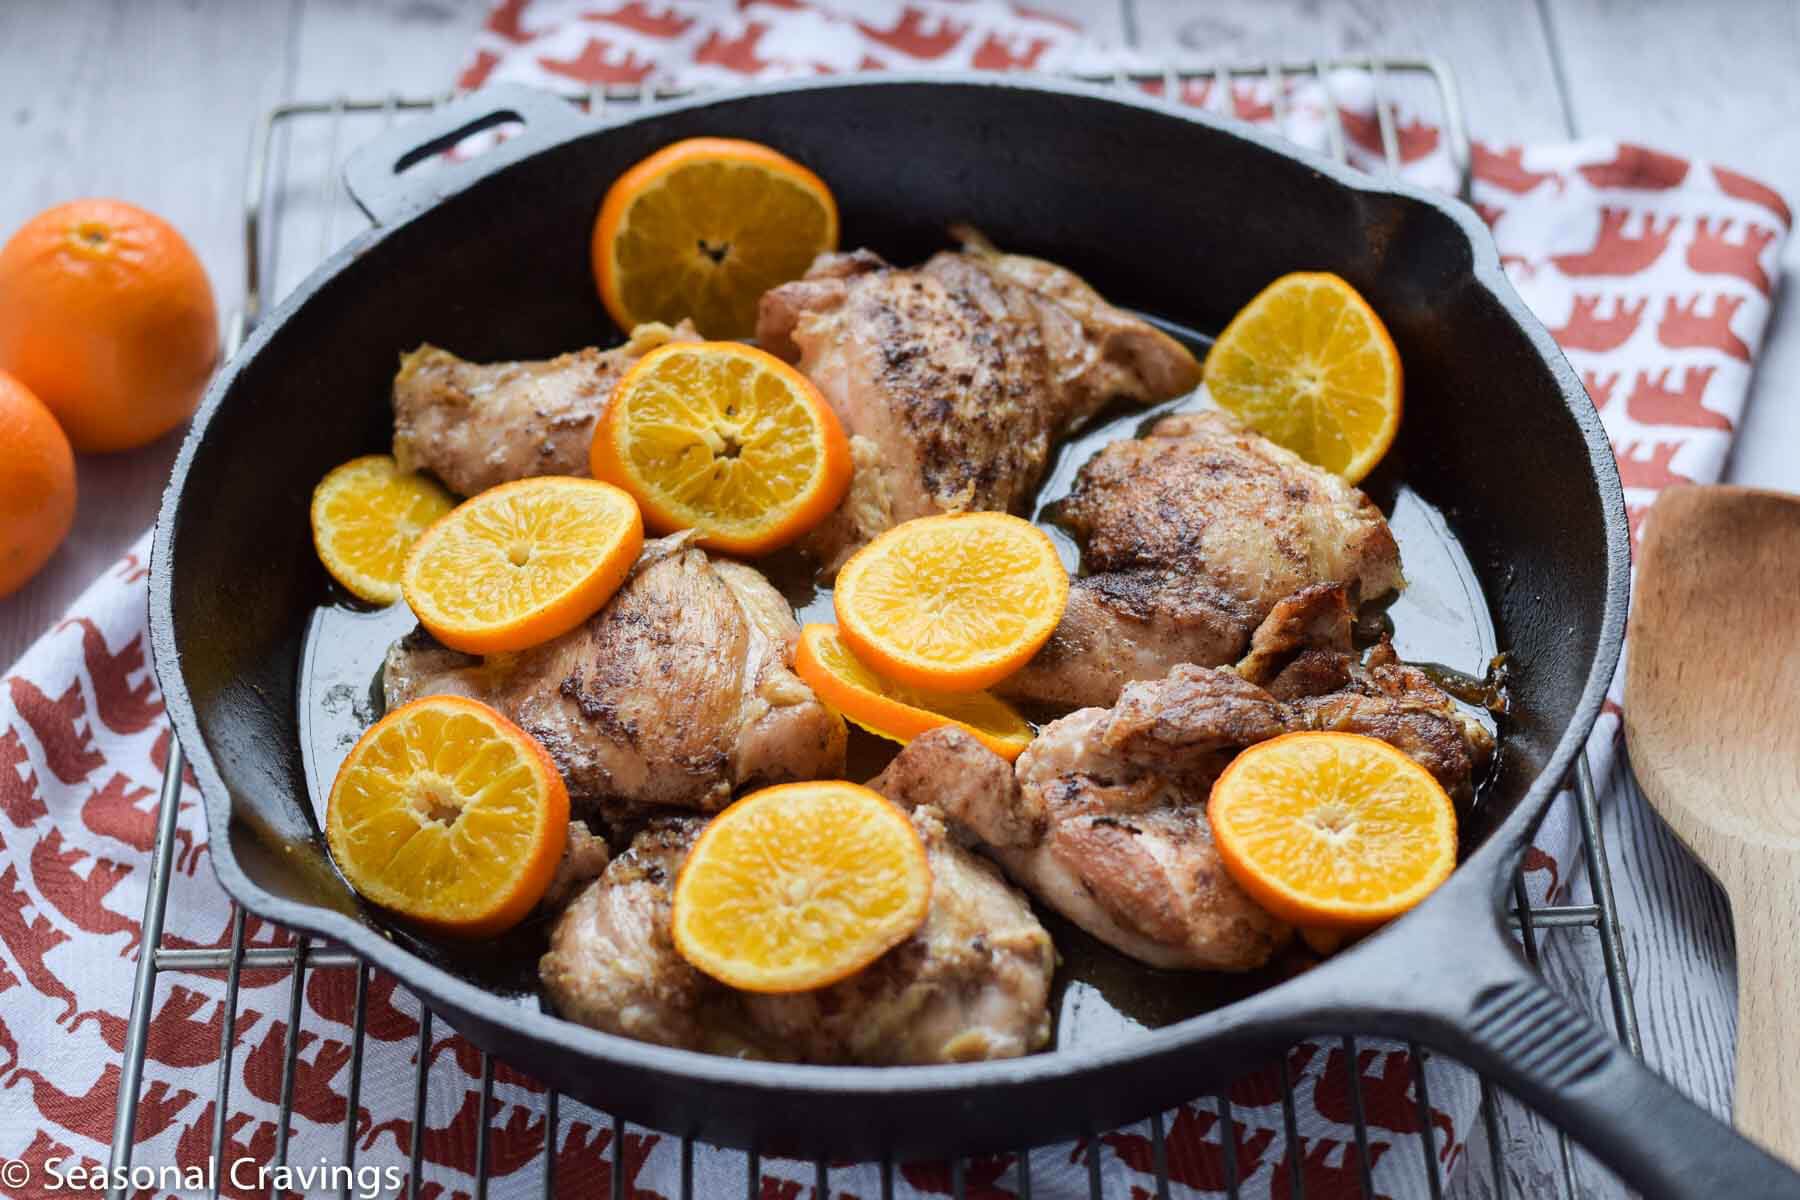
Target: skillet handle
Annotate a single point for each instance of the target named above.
(379, 174)
(1450, 976)
(1532, 1042)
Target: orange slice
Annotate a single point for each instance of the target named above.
(449, 815)
(366, 515)
(1332, 831)
(523, 562)
(726, 439)
(895, 711)
(1310, 366)
(797, 886)
(952, 603)
(704, 227)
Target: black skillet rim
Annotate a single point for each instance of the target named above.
(1280, 1005)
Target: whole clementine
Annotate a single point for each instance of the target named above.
(37, 484)
(106, 313)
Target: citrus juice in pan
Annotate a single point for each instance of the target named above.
(1439, 621)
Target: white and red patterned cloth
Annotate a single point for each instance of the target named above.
(1654, 271)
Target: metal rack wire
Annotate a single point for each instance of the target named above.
(273, 240)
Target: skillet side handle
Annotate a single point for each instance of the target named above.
(379, 175)
(1528, 1039)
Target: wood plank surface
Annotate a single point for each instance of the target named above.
(153, 102)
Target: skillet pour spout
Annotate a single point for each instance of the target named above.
(1196, 214)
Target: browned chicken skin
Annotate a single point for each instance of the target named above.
(1103, 818)
(1190, 536)
(972, 983)
(678, 693)
(474, 425)
(955, 379)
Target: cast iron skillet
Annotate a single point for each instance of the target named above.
(1167, 210)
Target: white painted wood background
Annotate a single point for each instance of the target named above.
(153, 101)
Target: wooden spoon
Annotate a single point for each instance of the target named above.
(1712, 719)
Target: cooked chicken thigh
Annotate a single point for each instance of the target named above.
(677, 693)
(1190, 536)
(474, 425)
(1103, 818)
(954, 379)
(612, 962)
(1122, 846)
(972, 983)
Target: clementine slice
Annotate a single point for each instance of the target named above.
(1309, 365)
(450, 815)
(702, 228)
(726, 439)
(898, 712)
(952, 603)
(1332, 831)
(797, 886)
(366, 515)
(522, 563)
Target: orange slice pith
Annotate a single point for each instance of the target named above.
(797, 886)
(702, 228)
(952, 603)
(895, 711)
(1309, 365)
(726, 439)
(448, 814)
(1332, 831)
(366, 515)
(522, 563)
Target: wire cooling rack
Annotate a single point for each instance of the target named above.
(296, 213)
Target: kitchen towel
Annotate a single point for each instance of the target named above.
(1654, 271)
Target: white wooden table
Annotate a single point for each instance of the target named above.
(153, 102)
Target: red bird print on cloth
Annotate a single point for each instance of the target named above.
(734, 54)
(1716, 253)
(79, 899)
(1505, 169)
(1587, 330)
(1389, 1096)
(915, 36)
(62, 728)
(1638, 168)
(124, 707)
(117, 811)
(584, 1164)
(1414, 139)
(1653, 402)
(639, 17)
(19, 798)
(1745, 188)
(1651, 471)
(1684, 326)
(594, 65)
(1322, 1177)
(1196, 1158)
(1615, 252)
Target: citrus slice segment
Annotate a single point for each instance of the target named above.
(702, 228)
(1309, 365)
(797, 886)
(366, 515)
(450, 815)
(952, 603)
(898, 712)
(1332, 831)
(522, 563)
(726, 439)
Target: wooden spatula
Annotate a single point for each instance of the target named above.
(1712, 719)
